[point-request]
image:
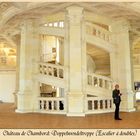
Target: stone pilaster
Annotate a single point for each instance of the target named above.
(76, 61)
(29, 49)
(123, 64)
(17, 73)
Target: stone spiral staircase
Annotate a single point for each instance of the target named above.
(98, 90)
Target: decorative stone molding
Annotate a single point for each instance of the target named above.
(75, 14)
(4, 6)
(120, 25)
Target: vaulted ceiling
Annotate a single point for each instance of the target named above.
(112, 10)
(101, 59)
(12, 12)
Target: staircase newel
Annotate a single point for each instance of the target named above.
(76, 61)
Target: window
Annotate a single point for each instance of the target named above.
(61, 24)
(45, 24)
(50, 24)
(55, 24)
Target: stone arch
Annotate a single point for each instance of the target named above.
(101, 59)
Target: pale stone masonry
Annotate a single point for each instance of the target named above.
(79, 55)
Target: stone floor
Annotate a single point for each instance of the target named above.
(10, 119)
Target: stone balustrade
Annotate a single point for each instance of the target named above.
(99, 81)
(51, 104)
(99, 104)
(56, 24)
(51, 70)
(98, 31)
(48, 57)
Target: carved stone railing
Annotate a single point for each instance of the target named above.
(99, 105)
(48, 57)
(56, 24)
(98, 31)
(99, 81)
(52, 105)
(51, 70)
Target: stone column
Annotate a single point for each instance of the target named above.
(123, 65)
(114, 66)
(61, 51)
(17, 71)
(76, 61)
(131, 60)
(35, 61)
(29, 54)
(17, 74)
(132, 68)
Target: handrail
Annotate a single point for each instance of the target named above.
(51, 65)
(98, 27)
(48, 57)
(95, 80)
(99, 104)
(100, 76)
(53, 70)
(52, 104)
(51, 98)
(55, 24)
(99, 98)
(97, 31)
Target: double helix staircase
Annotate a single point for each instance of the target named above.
(98, 92)
(51, 74)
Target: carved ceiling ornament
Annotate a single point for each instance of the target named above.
(4, 6)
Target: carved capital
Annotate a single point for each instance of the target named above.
(75, 14)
